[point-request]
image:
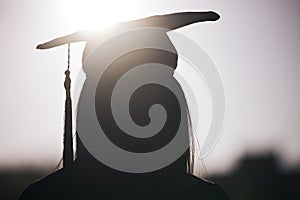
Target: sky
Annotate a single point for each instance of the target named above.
(255, 47)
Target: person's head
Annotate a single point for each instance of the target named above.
(139, 105)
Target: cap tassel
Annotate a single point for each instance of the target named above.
(68, 139)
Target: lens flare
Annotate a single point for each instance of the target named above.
(97, 14)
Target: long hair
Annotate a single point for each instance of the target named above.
(139, 103)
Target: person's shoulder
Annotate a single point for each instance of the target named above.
(40, 189)
(206, 189)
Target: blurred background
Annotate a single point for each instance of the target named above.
(255, 47)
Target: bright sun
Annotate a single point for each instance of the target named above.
(97, 14)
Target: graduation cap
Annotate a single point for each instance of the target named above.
(168, 22)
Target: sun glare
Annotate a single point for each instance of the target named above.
(97, 14)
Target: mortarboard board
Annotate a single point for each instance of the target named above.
(168, 21)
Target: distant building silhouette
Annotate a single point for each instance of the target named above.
(260, 177)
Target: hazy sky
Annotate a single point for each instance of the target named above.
(255, 46)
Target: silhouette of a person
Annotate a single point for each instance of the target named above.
(88, 178)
